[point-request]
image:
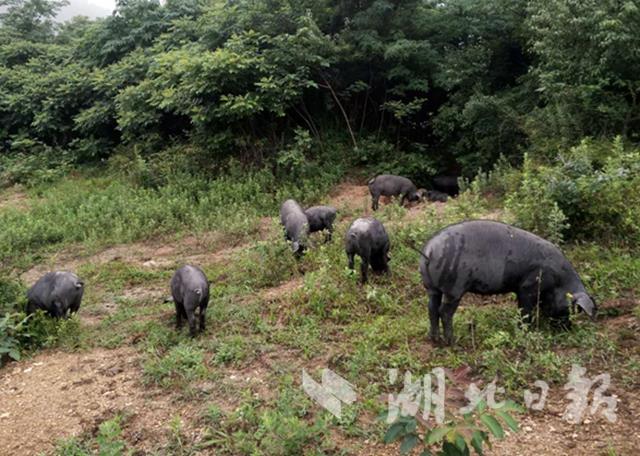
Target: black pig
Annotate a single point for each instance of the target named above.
(487, 257)
(367, 238)
(57, 293)
(321, 218)
(190, 290)
(296, 225)
(389, 185)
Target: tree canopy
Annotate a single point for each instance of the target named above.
(454, 83)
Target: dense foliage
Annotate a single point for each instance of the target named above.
(451, 84)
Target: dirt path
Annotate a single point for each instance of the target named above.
(58, 395)
(14, 198)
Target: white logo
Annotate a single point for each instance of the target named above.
(331, 393)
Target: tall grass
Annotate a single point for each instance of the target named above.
(98, 211)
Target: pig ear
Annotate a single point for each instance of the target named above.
(585, 302)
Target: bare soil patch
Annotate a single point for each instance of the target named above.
(351, 198)
(58, 395)
(355, 201)
(161, 253)
(14, 198)
(283, 290)
(546, 432)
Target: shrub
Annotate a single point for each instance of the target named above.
(597, 185)
(33, 164)
(501, 180)
(533, 208)
(593, 188)
(379, 157)
(44, 331)
(12, 296)
(11, 330)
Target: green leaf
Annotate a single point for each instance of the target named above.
(393, 433)
(408, 444)
(513, 425)
(460, 442)
(14, 354)
(425, 452)
(493, 425)
(437, 434)
(511, 406)
(449, 449)
(411, 426)
(476, 441)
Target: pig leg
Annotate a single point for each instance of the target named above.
(351, 257)
(179, 314)
(203, 310)
(435, 299)
(192, 322)
(527, 302)
(31, 307)
(447, 309)
(364, 269)
(374, 201)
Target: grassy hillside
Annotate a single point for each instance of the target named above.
(136, 383)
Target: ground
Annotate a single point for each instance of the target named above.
(131, 363)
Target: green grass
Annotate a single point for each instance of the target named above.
(328, 321)
(99, 211)
(107, 442)
(180, 364)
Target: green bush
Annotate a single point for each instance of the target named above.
(11, 332)
(42, 331)
(378, 156)
(12, 296)
(532, 207)
(597, 186)
(592, 191)
(20, 333)
(498, 182)
(34, 164)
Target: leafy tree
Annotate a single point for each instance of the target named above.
(30, 20)
(587, 66)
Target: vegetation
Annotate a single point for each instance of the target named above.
(187, 123)
(382, 325)
(455, 437)
(107, 442)
(449, 85)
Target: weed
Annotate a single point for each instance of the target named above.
(179, 365)
(107, 442)
(231, 350)
(456, 436)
